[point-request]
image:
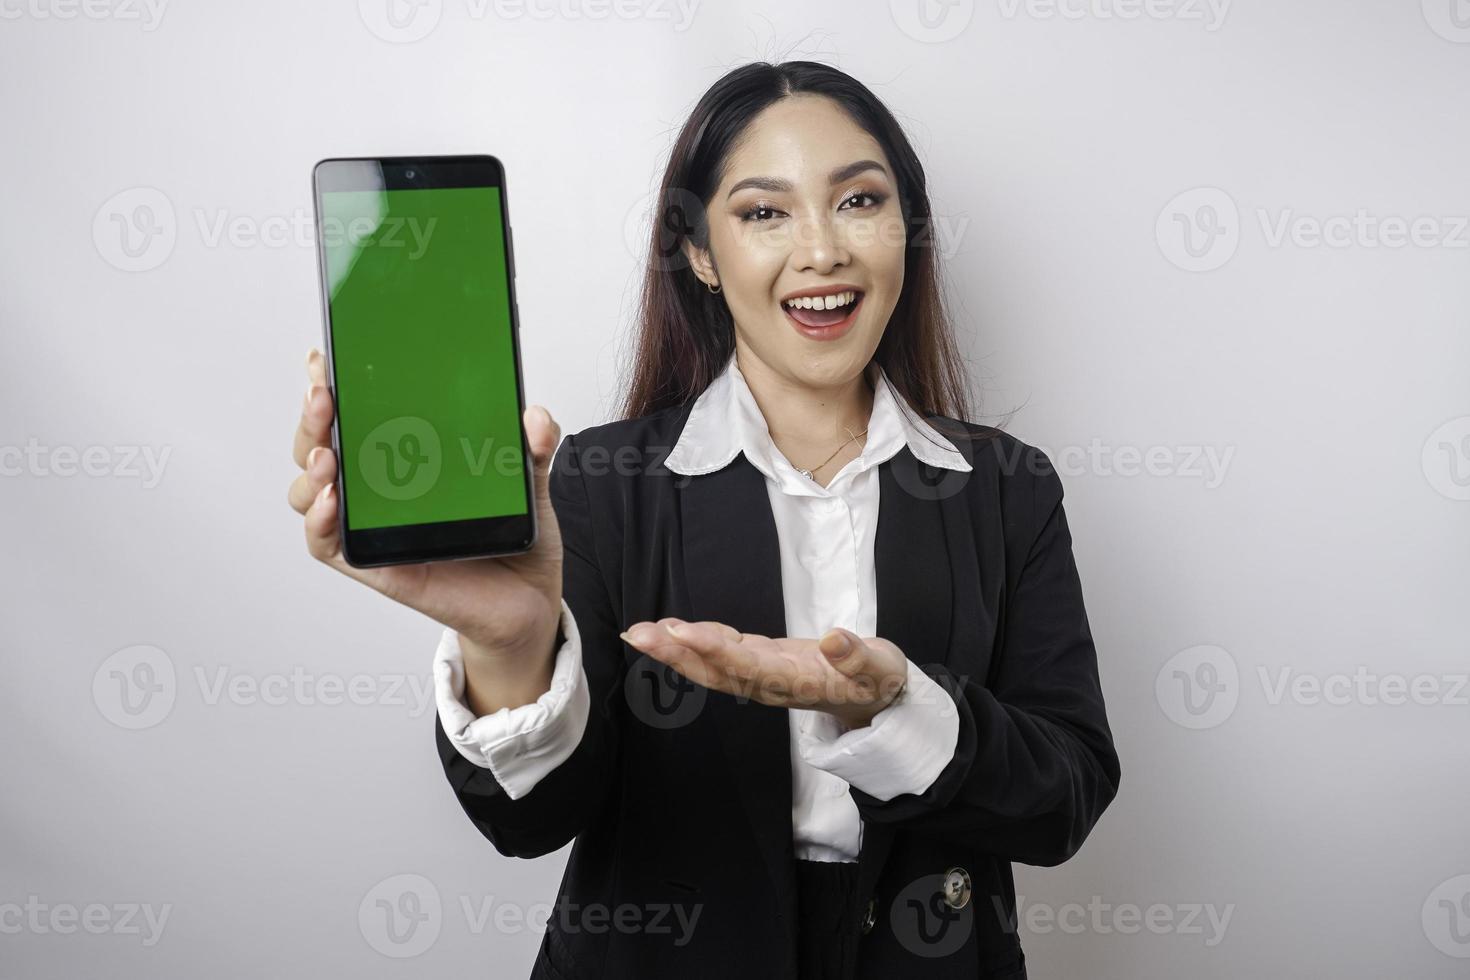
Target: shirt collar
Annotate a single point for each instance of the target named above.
(726, 420)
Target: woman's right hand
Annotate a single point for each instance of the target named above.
(507, 606)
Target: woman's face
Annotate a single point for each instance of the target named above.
(808, 200)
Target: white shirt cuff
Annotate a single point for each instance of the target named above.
(518, 745)
(904, 748)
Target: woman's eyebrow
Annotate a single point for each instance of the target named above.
(779, 185)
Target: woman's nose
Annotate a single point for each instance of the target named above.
(818, 245)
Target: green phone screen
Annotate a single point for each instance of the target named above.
(424, 360)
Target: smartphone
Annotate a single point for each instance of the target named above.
(421, 337)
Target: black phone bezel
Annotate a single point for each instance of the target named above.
(447, 540)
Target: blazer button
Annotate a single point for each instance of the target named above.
(957, 888)
(870, 916)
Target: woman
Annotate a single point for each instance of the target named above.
(800, 672)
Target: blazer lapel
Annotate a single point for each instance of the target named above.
(918, 554)
(732, 564)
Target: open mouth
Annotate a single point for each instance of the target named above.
(823, 312)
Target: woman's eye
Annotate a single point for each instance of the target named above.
(876, 199)
(758, 209)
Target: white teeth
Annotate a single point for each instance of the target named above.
(823, 302)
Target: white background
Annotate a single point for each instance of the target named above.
(1069, 148)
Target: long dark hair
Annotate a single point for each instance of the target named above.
(686, 334)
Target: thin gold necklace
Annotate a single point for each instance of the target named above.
(850, 438)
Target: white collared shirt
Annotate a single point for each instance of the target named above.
(828, 579)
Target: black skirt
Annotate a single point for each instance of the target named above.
(826, 919)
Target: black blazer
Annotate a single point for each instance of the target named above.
(679, 798)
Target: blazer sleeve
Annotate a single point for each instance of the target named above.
(1034, 766)
(573, 794)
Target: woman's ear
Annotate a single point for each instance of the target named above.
(702, 263)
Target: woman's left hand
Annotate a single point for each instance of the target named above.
(850, 677)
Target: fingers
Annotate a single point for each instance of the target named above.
(315, 428)
(323, 536)
(680, 653)
(846, 651)
(708, 653)
(874, 668)
(543, 435)
(321, 469)
(316, 367)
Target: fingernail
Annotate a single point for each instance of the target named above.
(844, 647)
(311, 456)
(674, 630)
